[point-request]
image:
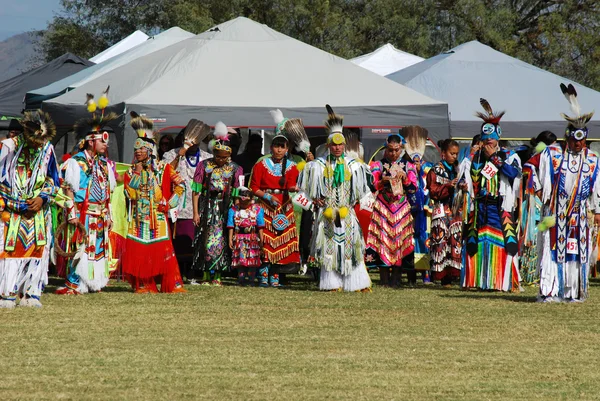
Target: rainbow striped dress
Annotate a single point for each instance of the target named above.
(492, 244)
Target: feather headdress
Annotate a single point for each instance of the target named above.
(194, 133)
(490, 129)
(292, 129)
(416, 141)
(91, 128)
(220, 139)
(38, 128)
(144, 128)
(334, 126)
(578, 120)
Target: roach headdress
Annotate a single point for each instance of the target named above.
(334, 126)
(577, 124)
(92, 128)
(38, 128)
(144, 128)
(490, 129)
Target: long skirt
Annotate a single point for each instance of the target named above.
(281, 245)
(391, 231)
(446, 246)
(489, 266)
(211, 249)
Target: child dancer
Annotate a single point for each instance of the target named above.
(245, 223)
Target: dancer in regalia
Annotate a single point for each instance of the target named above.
(567, 182)
(215, 183)
(391, 230)
(273, 178)
(416, 138)
(152, 189)
(184, 160)
(493, 178)
(89, 181)
(335, 184)
(29, 180)
(446, 225)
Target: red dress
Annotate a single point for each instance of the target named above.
(280, 246)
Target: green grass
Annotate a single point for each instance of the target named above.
(235, 343)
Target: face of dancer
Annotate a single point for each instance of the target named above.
(450, 154)
(221, 157)
(393, 151)
(98, 146)
(141, 154)
(279, 150)
(492, 143)
(337, 150)
(575, 145)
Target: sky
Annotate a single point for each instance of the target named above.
(18, 16)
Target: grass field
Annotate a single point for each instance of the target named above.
(297, 343)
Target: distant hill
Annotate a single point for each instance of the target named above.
(16, 53)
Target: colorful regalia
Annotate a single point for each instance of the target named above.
(245, 224)
(185, 165)
(446, 227)
(568, 181)
(492, 245)
(216, 186)
(91, 180)
(280, 235)
(337, 245)
(391, 230)
(28, 172)
(531, 210)
(151, 193)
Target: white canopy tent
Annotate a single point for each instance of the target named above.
(386, 60)
(153, 44)
(238, 71)
(123, 45)
(531, 96)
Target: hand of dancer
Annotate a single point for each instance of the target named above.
(182, 151)
(196, 219)
(109, 224)
(73, 221)
(230, 242)
(597, 220)
(138, 167)
(454, 182)
(319, 202)
(489, 150)
(35, 204)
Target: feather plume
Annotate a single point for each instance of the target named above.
(334, 122)
(220, 131)
(277, 116)
(103, 101)
(143, 126)
(352, 143)
(416, 140)
(578, 120)
(490, 116)
(195, 132)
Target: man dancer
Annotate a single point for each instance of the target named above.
(335, 184)
(29, 180)
(567, 183)
(493, 178)
(89, 181)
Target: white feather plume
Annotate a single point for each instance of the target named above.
(220, 130)
(277, 116)
(303, 146)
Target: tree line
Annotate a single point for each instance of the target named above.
(560, 36)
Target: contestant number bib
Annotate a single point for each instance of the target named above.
(302, 200)
(438, 211)
(572, 246)
(489, 171)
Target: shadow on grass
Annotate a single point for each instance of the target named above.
(492, 295)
